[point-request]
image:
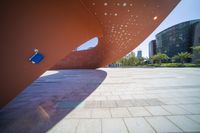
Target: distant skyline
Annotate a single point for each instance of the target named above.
(186, 10)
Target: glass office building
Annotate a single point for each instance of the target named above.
(152, 48)
(178, 38)
(196, 42)
(139, 54)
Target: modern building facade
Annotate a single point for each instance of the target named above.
(139, 54)
(152, 48)
(178, 38)
(196, 42)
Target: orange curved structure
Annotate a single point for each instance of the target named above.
(56, 27)
(125, 24)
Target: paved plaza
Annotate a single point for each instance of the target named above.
(107, 100)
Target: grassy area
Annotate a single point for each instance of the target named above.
(174, 65)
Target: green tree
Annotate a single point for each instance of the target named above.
(174, 58)
(183, 56)
(124, 61)
(141, 61)
(159, 57)
(148, 60)
(133, 60)
(197, 48)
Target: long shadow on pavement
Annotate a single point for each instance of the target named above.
(48, 100)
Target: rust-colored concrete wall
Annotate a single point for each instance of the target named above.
(125, 23)
(55, 27)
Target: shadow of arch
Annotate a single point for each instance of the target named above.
(49, 99)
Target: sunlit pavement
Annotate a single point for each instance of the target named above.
(117, 100)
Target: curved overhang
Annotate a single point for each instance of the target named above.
(125, 24)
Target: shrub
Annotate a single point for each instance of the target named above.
(192, 65)
(179, 65)
(172, 65)
(159, 57)
(183, 56)
(197, 62)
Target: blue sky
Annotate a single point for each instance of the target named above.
(91, 43)
(184, 11)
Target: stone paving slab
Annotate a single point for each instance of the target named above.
(113, 126)
(138, 125)
(175, 110)
(120, 100)
(184, 123)
(139, 111)
(195, 118)
(163, 125)
(101, 113)
(157, 110)
(120, 112)
(65, 126)
(89, 126)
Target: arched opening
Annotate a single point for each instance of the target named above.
(88, 45)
